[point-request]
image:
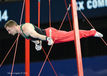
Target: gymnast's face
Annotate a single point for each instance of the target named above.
(11, 30)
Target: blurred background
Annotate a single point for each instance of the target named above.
(62, 56)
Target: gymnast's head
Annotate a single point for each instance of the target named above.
(11, 27)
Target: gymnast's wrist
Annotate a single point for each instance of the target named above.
(48, 38)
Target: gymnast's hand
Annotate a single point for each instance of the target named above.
(38, 45)
(50, 41)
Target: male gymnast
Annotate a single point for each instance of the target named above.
(51, 35)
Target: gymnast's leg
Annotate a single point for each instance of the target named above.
(59, 36)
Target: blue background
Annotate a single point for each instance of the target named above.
(93, 66)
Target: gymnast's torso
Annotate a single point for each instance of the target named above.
(38, 30)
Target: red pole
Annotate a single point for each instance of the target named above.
(77, 38)
(27, 42)
(39, 13)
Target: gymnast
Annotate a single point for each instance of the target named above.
(51, 35)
